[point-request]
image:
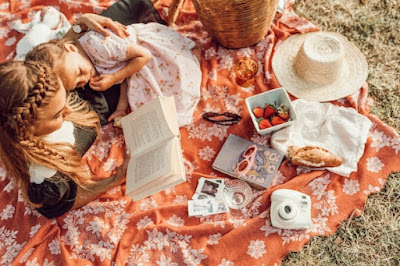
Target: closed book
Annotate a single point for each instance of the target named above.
(236, 160)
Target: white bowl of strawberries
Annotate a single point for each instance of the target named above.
(270, 110)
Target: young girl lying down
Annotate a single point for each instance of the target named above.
(43, 134)
(152, 61)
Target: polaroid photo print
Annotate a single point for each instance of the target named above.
(210, 188)
(206, 207)
(197, 196)
(219, 206)
(200, 207)
(218, 180)
(207, 196)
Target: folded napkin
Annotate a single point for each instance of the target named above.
(340, 130)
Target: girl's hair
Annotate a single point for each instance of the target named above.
(49, 52)
(52, 53)
(25, 88)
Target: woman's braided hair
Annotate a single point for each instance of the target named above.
(25, 88)
(24, 111)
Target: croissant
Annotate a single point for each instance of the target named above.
(313, 156)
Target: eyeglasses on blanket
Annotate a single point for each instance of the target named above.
(225, 119)
(245, 165)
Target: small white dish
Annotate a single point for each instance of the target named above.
(276, 97)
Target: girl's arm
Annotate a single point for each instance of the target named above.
(137, 56)
(97, 23)
(91, 192)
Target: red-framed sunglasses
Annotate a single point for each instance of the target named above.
(245, 165)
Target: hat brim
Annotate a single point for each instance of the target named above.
(351, 77)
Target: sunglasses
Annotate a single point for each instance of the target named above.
(225, 119)
(245, 165)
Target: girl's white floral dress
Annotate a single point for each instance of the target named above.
(172, 71)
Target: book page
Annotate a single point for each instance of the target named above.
(150, 189)
(149, 125)
(146, 167)
(175, 177)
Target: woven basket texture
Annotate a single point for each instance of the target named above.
(236, 23)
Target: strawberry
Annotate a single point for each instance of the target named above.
(269, 110)
(264, 124)
(276, 120)
(258, 111)
(283, 112)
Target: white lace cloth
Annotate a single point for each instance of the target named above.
(340, 130)
(65, 134)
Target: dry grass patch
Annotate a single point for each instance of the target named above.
(374, 26)
(370, 239)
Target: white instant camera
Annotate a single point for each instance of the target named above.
(290, 209)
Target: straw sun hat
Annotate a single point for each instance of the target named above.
(319, 66)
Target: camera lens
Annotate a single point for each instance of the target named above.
(287, 210)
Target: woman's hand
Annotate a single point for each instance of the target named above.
(99, 23)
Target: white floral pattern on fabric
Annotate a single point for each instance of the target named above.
(38, 173)
(351, 187)
(256, 249)
(176, 221)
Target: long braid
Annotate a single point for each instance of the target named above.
(21, 116)
(60, 153)
(23, 113)
(25, 88)
(37, 146)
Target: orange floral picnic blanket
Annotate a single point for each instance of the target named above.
(113, 230)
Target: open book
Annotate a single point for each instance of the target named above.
(152, 135)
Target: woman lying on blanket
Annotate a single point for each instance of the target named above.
(35, 116)
(153, 61)
(39, 129)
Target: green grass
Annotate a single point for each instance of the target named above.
(373, 238)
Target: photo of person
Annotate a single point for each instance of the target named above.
(210, 188)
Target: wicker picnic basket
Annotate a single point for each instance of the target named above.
(236, 23)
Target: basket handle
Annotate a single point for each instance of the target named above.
(174, 10)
